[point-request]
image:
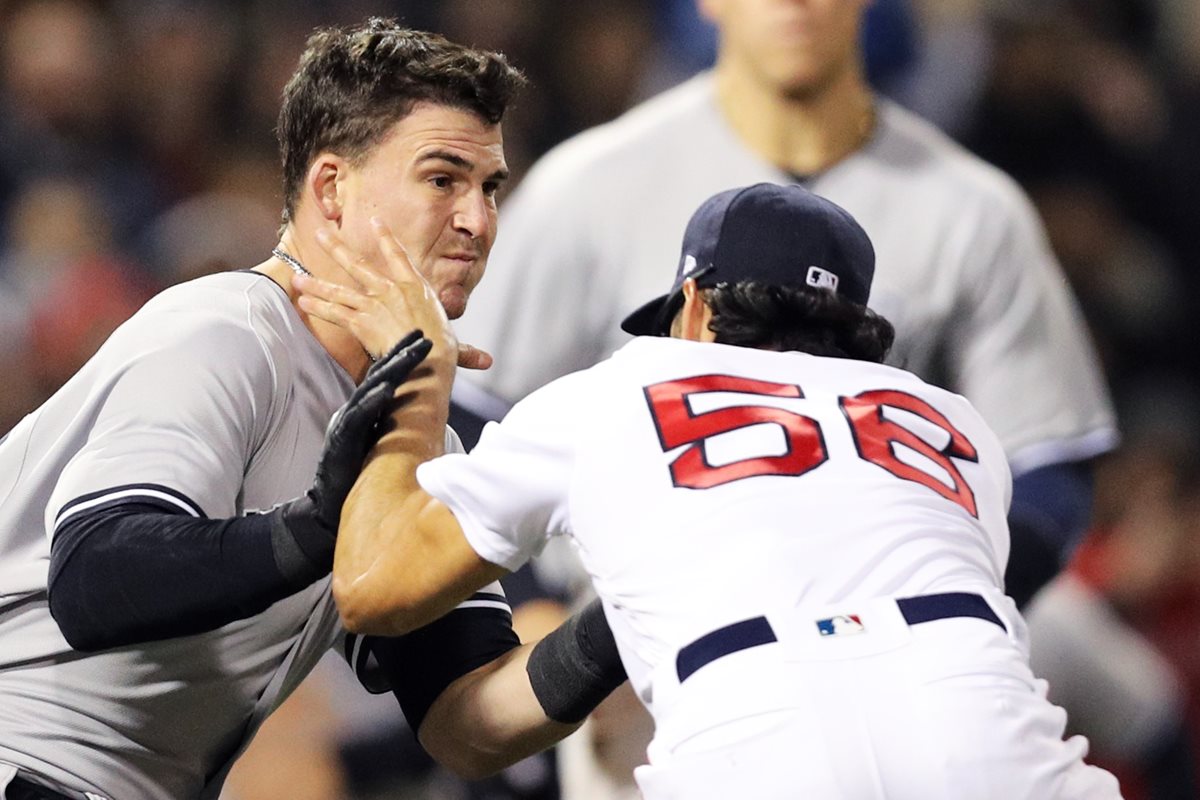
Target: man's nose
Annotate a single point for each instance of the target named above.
(473, 213)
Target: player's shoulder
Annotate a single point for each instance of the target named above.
(926, 154)
(642, 135)
(575, 395)
(222, 295)
(231, 316)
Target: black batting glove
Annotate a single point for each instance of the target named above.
(304, 531)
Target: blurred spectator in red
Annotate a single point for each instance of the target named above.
(1144, 557)
(86, 302)
(60, 269)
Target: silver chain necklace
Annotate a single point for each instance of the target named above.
(291, 261)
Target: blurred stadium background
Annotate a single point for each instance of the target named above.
(137, 150)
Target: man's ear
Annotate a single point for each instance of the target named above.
(325, 182)
(693, 318)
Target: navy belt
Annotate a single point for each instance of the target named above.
(757, 631)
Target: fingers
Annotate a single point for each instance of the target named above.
(372, 281)
(332, 293)
(340, 315)
(350, 262)
(471, 357)
(377, 308)
(394, 252)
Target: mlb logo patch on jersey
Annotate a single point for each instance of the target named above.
(840, 625)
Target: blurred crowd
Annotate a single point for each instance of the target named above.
(137, 150)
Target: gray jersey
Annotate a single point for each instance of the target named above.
(213, 399)
(963, 267)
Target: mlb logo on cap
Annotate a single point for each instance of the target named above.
(822, 279)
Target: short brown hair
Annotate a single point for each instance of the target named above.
(353, 84)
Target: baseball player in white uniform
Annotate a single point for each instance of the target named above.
(164, 549)
(800, 549)
(966, 275)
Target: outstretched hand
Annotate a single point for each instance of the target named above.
(312, 519)
(379, 310)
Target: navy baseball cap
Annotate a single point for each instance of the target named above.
(776, 235)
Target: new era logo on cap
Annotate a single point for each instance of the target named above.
(689, 265)
(770, 235)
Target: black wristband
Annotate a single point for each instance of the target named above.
(576, 666)
(303, 548)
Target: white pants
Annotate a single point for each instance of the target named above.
(942, 710)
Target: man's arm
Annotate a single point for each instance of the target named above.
(139, 564)
(491, 718)
(401, 558)
(479, 701)
(1050, 512)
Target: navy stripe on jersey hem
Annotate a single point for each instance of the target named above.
(164, 497)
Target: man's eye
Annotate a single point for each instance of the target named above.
(490, 188)
(441, 181)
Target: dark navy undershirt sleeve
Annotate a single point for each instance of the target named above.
(1050, 512)
(420, 665)
(144, 569)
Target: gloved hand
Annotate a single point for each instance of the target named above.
(304, 530)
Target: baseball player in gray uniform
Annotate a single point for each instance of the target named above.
(164, 548)
(804, 558)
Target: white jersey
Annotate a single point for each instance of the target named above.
(706, 483)
(963, 268)
(211, 400)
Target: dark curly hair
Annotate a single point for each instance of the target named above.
(814, 321)
(353, 84)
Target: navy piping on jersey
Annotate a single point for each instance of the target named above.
(486, 600)
(486, 632)
(169, 500)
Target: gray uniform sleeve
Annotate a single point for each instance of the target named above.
(180, 418)
(1021, 351)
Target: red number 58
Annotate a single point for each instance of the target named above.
(875, 437)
